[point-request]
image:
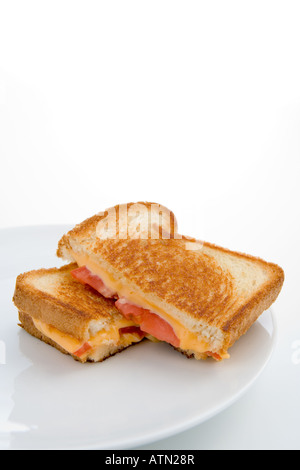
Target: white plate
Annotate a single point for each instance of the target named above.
(146, 393)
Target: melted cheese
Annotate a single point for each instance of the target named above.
(188, 340)
(71, 344)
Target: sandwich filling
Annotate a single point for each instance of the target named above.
(151, 320)
(121, 334)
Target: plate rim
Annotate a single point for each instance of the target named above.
(190, 424)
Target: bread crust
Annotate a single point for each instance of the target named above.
(69, 306)
(88, 227)
(247, 314)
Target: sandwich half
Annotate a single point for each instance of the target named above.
(196, 296)
(72, 317)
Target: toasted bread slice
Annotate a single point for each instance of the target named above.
(70, 316)
(209, 295)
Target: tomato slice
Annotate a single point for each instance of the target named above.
(130, 311)
(132, 329)
(214, 355)
(86, 347)
(85, 276)
(148, 322)
(159, 328)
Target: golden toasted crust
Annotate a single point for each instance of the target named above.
(257, 302)
(191, 354)
(54, 297)
(27, 324)
(87, 229)
(214, 287)
(164, 268)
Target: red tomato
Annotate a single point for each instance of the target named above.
(82, 350)
(132, 329)
(214, 355)
(149, 322)
(130, 311)
(85, 276)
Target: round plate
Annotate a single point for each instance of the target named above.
(146, 393)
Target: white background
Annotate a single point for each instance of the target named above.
(192, 104)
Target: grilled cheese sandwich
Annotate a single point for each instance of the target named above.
(78, 321)
(198, 297)
(188, 340)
